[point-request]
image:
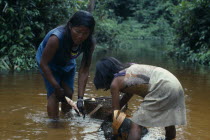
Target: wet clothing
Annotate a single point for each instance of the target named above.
(66, 77)
(61, 61)
(63, 64)
(164, 105)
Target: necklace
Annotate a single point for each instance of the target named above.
(75, 48)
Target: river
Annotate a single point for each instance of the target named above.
(23, 99)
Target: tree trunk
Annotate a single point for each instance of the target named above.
(91, 5)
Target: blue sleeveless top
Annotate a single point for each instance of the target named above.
(61, 61)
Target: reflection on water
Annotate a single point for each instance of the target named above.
(23, 99)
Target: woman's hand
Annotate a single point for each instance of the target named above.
(59, 94)
(80, 105)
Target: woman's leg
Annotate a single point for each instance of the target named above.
(65, 107)
(170, 132)
(135, 132)
(68, 86)
(52, 107)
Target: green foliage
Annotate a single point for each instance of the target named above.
(107, 28)
(124, 8)
(192, 40)
(111, 34)
(24, 23)
(156, 17)
(107, 31)
(103, 11)
(149, 19)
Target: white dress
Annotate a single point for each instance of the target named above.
(164, 105)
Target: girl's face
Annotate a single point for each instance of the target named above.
(79, 34)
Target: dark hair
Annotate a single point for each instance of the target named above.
(80, 18)
(105, 70)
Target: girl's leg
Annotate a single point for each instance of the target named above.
(170, 132)
(135, 132)
(52, 107)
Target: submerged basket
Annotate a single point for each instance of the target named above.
(104, 111)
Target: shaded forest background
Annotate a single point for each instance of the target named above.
(184, 24)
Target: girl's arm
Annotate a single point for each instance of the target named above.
(125, 99)
(115, 92)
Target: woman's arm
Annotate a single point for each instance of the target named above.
(47, 55)
(84, 71)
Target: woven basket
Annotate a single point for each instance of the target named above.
(104, 111)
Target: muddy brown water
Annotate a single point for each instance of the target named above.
(23, 99)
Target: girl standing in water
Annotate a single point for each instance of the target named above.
(163, 104)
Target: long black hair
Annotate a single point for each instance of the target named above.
(80, 18)
(105, 70)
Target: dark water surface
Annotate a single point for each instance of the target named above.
(23, 100)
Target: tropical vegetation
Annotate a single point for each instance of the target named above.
(184, 24)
